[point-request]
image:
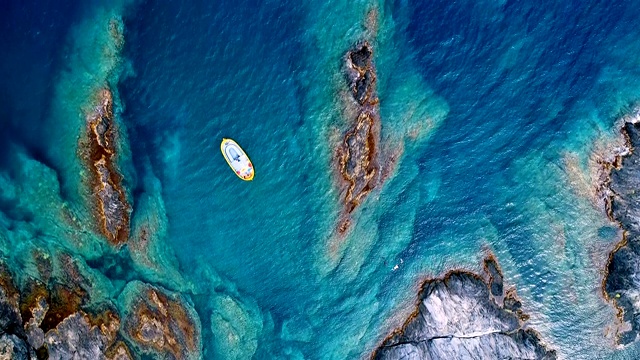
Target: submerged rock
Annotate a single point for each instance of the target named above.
(235, 326)
(622, 282)
(147, 243)
(358, 154)
(98, 149)
(160, 323)
(459, 317)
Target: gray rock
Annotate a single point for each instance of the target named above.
(623, 279)
(10, 319)
(458, 318)
(14, 348)
(35, 336)
(75, 339)
(12, 336)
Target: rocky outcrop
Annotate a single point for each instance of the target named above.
(47, 300)
(465, 315)
(161, 323)
(13, 339)
(51, 322)
(75, 338)
(98, 149)
(119, 351)
(37, 322)
(622, 281)
(357, 155)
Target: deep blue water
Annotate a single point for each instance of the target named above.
(513, 92)
(32, 38)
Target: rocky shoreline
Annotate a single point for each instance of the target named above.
(466, 315)
(622, 282)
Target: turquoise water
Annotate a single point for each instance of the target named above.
(496, 107)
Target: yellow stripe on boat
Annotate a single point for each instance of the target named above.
(237, 159)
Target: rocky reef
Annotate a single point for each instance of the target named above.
(622, 281)
(98, 150)
(43, 324)
(465, 315)
(357, 155)
(67, 323)
(161, 323)
(64, 294)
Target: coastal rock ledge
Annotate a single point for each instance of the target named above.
(622, 281)
(466, 316)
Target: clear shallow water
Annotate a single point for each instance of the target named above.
(508, 99)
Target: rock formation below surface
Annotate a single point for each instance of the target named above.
(465, 316)
(161, 323)
(358, 154)
(622, 282)
(98, 150)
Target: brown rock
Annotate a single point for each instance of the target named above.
(160, 322)
(7, 285)
(98, 150)
(358, 153)
(358, 161)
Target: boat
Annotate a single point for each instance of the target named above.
(237, 159)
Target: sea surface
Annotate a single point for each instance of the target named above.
(496, 108)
